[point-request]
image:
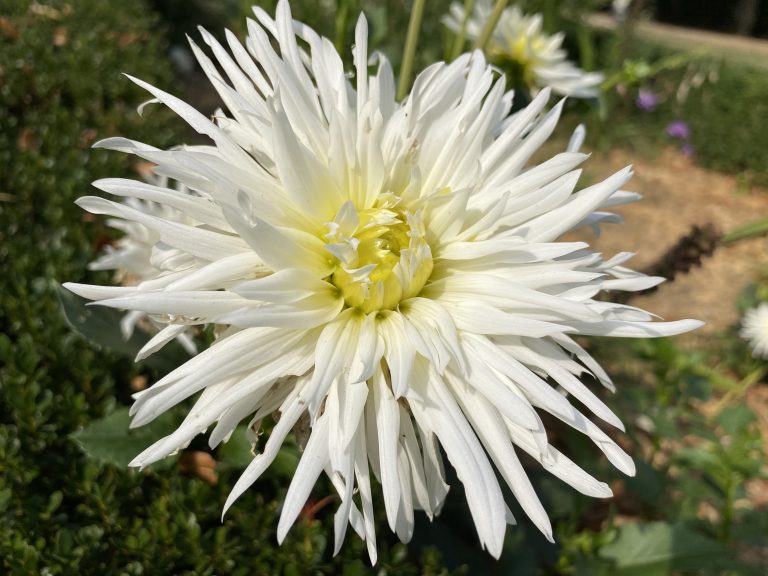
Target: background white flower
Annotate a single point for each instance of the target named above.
(389, 270)
(755, 330)
(138, 258)
(536, 59)
(620, 9)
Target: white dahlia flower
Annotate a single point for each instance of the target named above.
(388, 272)
(518, 45)
(136, 258)
(754, 328)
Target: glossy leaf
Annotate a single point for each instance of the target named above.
(110, 440)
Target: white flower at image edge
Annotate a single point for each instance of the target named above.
(754, 328)
(388, 271)
(518, 39)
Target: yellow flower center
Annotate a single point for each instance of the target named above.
(382, 257)
(518, 57)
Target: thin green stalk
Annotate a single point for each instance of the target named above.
(585, 38)
(549, 15)
(490, 26)
(461, 35)
(409, 52)
(642, 71)
(340, 32)
(728, 510)
(739, 390)
(750, 230)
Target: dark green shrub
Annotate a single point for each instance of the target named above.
(728, 121)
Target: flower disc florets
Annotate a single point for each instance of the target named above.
(381, 255)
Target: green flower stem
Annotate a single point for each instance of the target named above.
(634, 71)
(549, 14)
(750, 230)
(737, 392)
(586, 41)
(728, 509)
(461, 35)
(409, 52)
(490, 25)
(340, 32)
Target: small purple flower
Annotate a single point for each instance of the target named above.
(678, 129)
(687, 150)
(646, 100)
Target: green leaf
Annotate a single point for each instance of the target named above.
(700, 459)
(646, 484)
(286, 461)
(101, 326)
(658, 548)
(735, 418)
(110, 440)
(236, 453)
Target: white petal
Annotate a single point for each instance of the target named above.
(196, 120)
(621, 329)
(304, 478)
(261, 462)
(196, 304)
(399, 351)
(159, 340)
(218, 274)
(492, 432)
(196, 208)
(364, 484)
(388, 426)
(559, 465)
(196, 241)
(480, 318)
(281, 247)
(433, 468)
(284, 286)
(278, 350)
(433, 404)
(98, 292)
(332, 354)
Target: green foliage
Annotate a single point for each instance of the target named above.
(110, 440)
(728, 121)
(723, 103)
(696, 446)
(658, 548)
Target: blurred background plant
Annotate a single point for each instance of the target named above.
(683, 72)
(696, 414)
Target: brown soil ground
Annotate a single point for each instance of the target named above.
(678, 194)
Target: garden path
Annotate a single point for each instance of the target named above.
(753, 51)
